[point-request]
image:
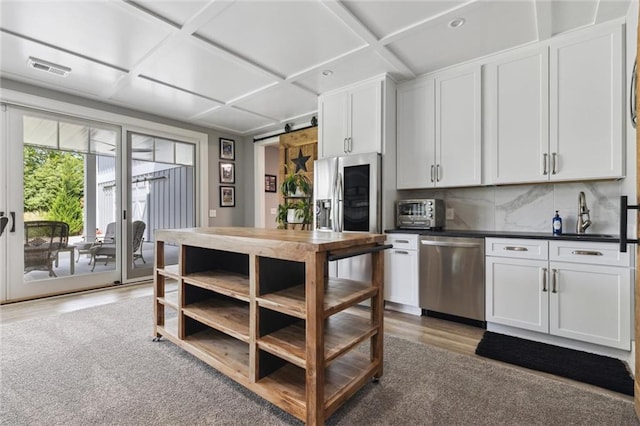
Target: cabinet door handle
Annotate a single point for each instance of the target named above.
(544, 163)
(554, 158)
(587, 252)
(400, 252)
(432, 173)
(554, 282)
(344, 145)
(350, 144)
(512, 248)
(401, 241)
(438, 173)
(544, 280)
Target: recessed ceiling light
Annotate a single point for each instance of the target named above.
(327, 73)
(456, 23)
(46, 66)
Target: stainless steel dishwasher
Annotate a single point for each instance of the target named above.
(452, 277)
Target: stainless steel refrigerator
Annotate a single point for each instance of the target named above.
(347, 198)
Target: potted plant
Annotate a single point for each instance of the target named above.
(298, 211)
(296, 185)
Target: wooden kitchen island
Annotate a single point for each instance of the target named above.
(258, 306)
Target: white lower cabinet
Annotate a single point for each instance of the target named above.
(571, 292)
(515, 294)
(401, 272)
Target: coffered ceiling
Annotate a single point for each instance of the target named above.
(250, 67)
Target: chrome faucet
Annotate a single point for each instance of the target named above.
(583, 211)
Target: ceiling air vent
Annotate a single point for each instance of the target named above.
(49, 67)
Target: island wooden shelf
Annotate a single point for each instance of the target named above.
(256, 305)
(223, 315)
(170, 299)
(170, 271)
(223, 282)
(342, 332)
(340, 294)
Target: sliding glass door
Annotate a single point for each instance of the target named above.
(161, 195)
(53, 164)
(83, 204)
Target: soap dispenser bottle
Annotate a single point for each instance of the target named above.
(557, 224)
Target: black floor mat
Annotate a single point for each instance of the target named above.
(606, 372)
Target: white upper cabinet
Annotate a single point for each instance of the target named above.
(458, 127)
(439, 130)
(517, 116)
(586, 98)
(554, 112)
(351, 120)
(416, 133)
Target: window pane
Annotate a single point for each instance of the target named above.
(40, 131)
(142, 147)
(103, 142)
(184, 153)
(164, 151)
(74, 137)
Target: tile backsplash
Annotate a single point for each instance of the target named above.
(530, 207)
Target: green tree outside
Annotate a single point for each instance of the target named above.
(54, 186)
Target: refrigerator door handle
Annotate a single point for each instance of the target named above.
(339, 202)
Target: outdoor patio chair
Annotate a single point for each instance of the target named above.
(86, 245)
(42, 240)
(108, 250)
(109, 235)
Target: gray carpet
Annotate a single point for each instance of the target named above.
(99, 366)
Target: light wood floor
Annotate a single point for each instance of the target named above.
(448, 335)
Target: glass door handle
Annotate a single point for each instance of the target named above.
(3, 224)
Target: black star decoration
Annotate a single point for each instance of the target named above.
(301, 162)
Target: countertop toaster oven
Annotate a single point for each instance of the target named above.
(420, 214)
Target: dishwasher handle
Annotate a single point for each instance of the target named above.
(449, 244)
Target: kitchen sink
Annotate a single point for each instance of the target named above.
(575, 235)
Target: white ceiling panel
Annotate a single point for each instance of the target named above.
(280, 102)
(209, 73)
(153, 97)
(387, 17)
(233, 119)
(284, 36)
(569, 14)
(249, 66)
(86, 77)
(485, 31)
(611, 9)
(97, 29)
(350, 69)
(177, 11)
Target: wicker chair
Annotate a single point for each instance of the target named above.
(108, 250)
(42, 240)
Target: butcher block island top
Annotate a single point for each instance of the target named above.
(258, 306)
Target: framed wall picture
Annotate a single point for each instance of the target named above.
(227, 149)
(270, 183)
(227, 172)
(227, 196)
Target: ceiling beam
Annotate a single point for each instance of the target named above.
(353, 23)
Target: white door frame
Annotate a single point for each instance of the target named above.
(259, 194)
(4, 189)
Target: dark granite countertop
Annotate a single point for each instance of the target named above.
(602, 238)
